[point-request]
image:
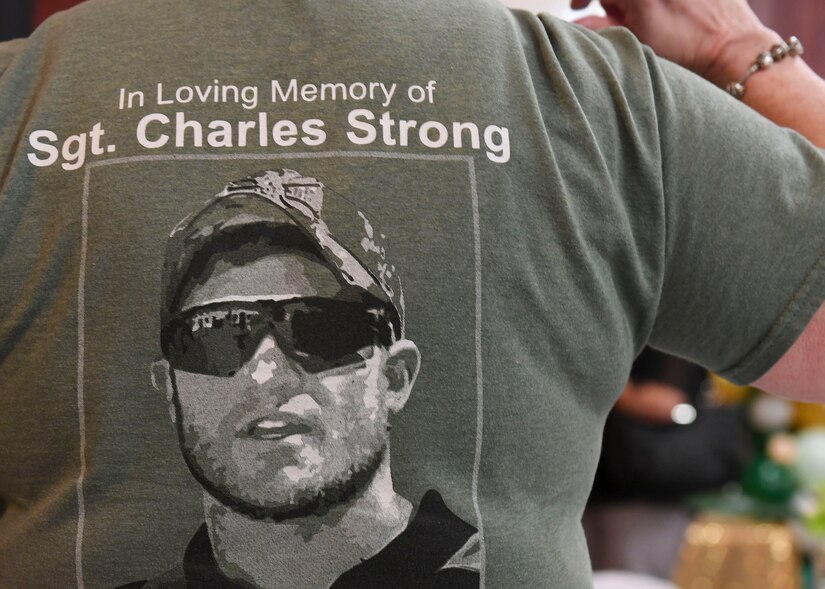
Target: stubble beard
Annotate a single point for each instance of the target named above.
(316, 499)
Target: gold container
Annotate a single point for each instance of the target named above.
(735, 553)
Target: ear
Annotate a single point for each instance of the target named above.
(401, 369)
(162, 383)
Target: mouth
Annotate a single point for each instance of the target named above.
(270, 429)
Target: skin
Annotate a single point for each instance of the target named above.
(650, 401)
(698, 34)
(322, 494)
(719, 40)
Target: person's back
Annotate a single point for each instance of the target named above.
(536, 207)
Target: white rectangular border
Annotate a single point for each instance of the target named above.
(81, 312)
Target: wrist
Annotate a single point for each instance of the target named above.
(737, 53)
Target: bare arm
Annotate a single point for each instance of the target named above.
(719, 39)
(800, 373)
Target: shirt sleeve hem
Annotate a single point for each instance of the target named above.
(786, 329)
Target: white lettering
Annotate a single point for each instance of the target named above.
(458, 140)
(315, 135)
(95, 135)
(387, 125)
(74, 157)
(309, 92)
(404, 131)
(284, 132)
(161, 101)
(331, 90)
(361, 90)
(249, 96)
(290, 94)
(141, 131)
(205, 93)
(181, 125)
(263, 125)
(497, 140)
(388, 93)
(356, 122)
(243, 128)
(184, 94)
(417, 94)
(38, 145)
(221, 136)
(441, 130)
(364, 125)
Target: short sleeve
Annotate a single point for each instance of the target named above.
(744, 204)
(731, 206)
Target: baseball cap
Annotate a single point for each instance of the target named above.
(341, 233)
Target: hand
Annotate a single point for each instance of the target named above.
(650, 401)
(717, 39)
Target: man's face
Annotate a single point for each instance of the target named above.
(275, 440)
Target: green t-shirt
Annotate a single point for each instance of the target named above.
(518, 203)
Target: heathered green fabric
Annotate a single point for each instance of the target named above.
(638, 204)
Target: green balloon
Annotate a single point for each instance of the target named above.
(769, 481)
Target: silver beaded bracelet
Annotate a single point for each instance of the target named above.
(792, 47)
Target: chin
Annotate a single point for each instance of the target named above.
(285, 495)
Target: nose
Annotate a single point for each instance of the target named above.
(270, 365)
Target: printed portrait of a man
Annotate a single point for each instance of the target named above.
(284, 361)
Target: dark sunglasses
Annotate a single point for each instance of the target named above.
(318, 333)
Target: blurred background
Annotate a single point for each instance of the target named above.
(701, 484)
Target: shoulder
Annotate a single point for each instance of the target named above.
(9, 50)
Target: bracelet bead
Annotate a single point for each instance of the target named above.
(764, 60)
(792, 47)
(736, 89)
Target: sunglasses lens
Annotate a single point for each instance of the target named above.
(319, 334)
(331, 335)
(216, 341)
